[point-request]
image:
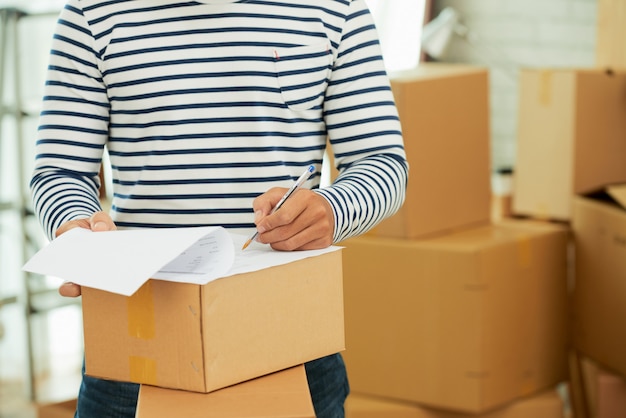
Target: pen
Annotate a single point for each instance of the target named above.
(303, 177)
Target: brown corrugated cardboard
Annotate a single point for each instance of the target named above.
(203, 338)
(605, 392)
(545, 405)
(444, 112)
(599, 227)
(64, 409)
(466, 321)
(571, 138)
(283, 394)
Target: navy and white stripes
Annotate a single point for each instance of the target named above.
(203, 105)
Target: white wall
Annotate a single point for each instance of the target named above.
(531, 33)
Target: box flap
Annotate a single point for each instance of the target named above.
(618, 192)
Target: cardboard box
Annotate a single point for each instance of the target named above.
(283, 394)
(444, 111)
(545, 405)
(206, 337)
(571, 138)
(605, 392)
(599, 228)
(64, 409)
(611, 34)
(467, 321)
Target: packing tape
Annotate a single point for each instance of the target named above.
(142, 370)
(141, 323)
(545, 87)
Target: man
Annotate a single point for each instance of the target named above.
(209, 110)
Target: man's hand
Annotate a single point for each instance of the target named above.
(304, 222)
(99, 221)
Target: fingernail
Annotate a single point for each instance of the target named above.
(100, 226)
(260, 229)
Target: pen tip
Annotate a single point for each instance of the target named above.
(246, 245)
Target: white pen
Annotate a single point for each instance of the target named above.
(298, 183)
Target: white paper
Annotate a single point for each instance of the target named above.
(260, 256)
(121, 261)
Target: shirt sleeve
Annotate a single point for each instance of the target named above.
(364, 132)
(73, 127)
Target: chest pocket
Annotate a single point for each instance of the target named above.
(303, 74)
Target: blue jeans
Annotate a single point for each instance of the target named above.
(328, 383)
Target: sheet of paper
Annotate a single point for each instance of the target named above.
(121, 261)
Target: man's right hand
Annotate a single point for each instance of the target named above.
(99, 221)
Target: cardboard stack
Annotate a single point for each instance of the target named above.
(234, 347)
(449, 314)
(571, 167)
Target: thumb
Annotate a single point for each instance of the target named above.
(101, 221)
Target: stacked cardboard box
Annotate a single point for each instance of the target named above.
(467, 321)
(445, 309)
(599, 297)
(444, 114)
(243, 336)
(282, 394)
(571, 138)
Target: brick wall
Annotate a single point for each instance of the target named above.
(508, 34)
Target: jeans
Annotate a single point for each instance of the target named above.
(327, 377)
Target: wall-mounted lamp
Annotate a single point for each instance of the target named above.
(439, 32)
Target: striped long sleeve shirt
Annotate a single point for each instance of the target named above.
(203, 105)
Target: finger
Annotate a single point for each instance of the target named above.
(70, 290)
(306, 239)
(286, 216)
(101, 221)
(76, 223)
(303, 233)
(264, 203)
